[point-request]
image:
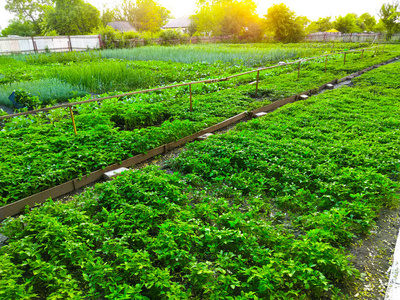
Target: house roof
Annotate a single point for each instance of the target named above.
(123, 26)
(183, 22)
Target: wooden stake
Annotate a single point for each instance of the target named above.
(376, 48)
(70, 43)
(344, 62)
(73, 120)
(362, 54)
(191, 104)
(326, 61)
(258, 77)
(383, 50)
(298, 72)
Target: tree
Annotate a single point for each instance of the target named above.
(228, 17)
(379, 27)
(29, 10)
(366, 22)
(322, 25)
(209, 19)
(72, 17)
(284, 25)
(347, 24)
(390, 17)
(145, 15)
(193, 25)
(18, 27)
(108, 15)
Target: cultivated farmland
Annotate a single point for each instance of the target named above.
(266, 210)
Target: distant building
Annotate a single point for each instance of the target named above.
(181, 24)
(123, 26)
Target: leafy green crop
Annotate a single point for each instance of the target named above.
(264, 211)
(48, 91)
(119, 128)
(250, 55)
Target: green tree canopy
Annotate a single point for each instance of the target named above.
(390, 17)
(72, 17)
(347, 24)
(366, 22)
(284, 25)
(145, 15)
(29, 12)
(107, 15)
(322, 25)
(18, 27)
(230, 17)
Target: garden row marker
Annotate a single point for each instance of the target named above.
(258, 77)
(73, 120)
(191, 104)
(114, 173)
(204, 136)
(303, 97)
(298, 72)
(259, 115)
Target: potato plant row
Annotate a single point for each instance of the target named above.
(264, 211)
(41, 152)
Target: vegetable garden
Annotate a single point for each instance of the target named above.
(264, 211)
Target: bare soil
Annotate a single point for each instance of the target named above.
(373, 257)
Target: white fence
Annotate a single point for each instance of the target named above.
(349, 37)
(39, 44)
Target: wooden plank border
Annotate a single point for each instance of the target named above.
(39, 198)
(72, 185)
(75, 184)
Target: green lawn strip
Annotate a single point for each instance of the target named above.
(264, 211)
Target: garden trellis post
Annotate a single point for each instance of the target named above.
(191, 104)
(258, 78)
(298, 72)
(73, 120)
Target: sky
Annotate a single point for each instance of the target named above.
(313, 9)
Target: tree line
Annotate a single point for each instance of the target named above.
(237, 18)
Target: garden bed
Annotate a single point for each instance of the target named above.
(270, 209)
